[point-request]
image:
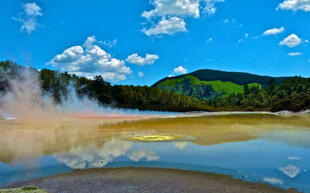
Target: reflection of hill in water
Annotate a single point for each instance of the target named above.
(20, 140)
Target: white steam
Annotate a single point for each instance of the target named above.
(26, 100)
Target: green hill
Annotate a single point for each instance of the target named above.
(208, 84)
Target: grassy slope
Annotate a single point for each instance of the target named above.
(219, 86)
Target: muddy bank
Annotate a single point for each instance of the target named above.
(146, 180)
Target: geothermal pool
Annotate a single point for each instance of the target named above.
(254, 147)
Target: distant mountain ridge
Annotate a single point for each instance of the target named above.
(209, 84)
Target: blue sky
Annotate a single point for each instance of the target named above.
(140, 41)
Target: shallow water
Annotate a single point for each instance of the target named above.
(253, 147)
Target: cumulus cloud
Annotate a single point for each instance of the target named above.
(274, 181)
(295, 5)
(180, 70)
(273, 31)
(141, 61)
(167, 26)
(90, 60)
(290, 171)
(140, 74)
(294, 53)
(138, 155)
(173, 12)
(32, 9)
(291, 41)
(29, 17)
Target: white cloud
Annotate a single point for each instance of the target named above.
(29, 25)
(110, 43)
(93, 156)
(233, 20)
(293, 158)
(90, 60)
(136, 59)
(180, 70)
(210, 6)
(290, 171)
(274, 181)
(294, 53)
(246, 35)
(140, 74)
(173, 12)
(291, 41)
(295, 5)
(32, 9)
(180, 145)
(167, 26)
(210, 40)
(138, 155)
(171, 75)
(273, 31)
(173, 8)
(29, 17)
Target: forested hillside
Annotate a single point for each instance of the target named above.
(210, 84)
(241, 91)
(204, 90)
(240, 78)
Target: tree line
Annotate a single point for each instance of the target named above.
(122, 96)
(292, 94)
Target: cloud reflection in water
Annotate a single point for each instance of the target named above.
(93, 156)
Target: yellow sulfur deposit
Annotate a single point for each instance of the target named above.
(155, 138)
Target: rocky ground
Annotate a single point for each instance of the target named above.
(146, 180)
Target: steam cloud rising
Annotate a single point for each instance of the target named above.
(26, 100)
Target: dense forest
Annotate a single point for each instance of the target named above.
(292, 94)
(288, 94)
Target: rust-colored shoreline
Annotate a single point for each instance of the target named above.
(150, 180)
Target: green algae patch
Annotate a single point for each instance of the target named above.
(27, 189)
(156, 138)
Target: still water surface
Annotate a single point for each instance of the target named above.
(255, 147)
